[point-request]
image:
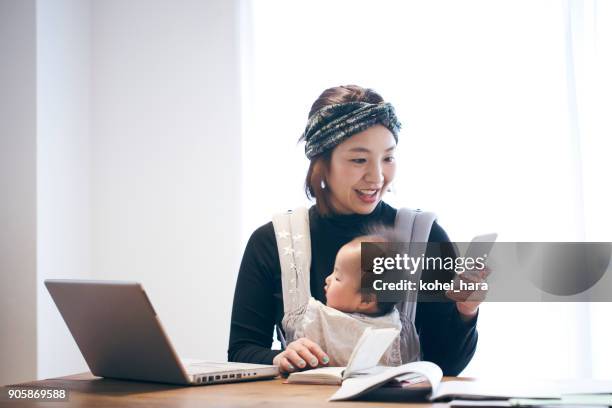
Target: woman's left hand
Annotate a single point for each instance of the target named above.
(468, 300)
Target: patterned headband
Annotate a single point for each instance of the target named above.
(333, 124)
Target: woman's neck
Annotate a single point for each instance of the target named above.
(351, 219)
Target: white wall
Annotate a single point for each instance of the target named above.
(63, 127)
(17, 190)
(120, 131)
(166, 160)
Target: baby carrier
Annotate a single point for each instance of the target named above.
(335, 331)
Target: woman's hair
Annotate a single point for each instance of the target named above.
(319, 168)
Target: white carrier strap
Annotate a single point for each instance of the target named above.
(293, 242)
(413, 227)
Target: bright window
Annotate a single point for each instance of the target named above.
(504, 130)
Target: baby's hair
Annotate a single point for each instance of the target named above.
(373, 235)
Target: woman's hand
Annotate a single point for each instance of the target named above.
(300, 354)
(468, 301)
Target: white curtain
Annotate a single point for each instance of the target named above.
(506, 116)
(589, 28)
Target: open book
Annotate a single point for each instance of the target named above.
(372, 385)
(362, 376)
(370, 347)
(356, 386)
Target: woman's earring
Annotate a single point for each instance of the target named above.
(390, 188)
(323, 184)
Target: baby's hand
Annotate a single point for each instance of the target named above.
(300, 354)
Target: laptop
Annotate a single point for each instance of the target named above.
(120, 336)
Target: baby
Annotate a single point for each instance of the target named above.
(343, 287)
(338, 325)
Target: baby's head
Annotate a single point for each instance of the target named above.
(343, 286)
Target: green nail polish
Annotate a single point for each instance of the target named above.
(291, 368)
(301, 363)
(314, 362)
(325, 360)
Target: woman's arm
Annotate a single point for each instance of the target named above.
(446, 338)
(254, 310)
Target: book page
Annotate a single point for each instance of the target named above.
(522, 389)
(353, 387)
(371, 346)
(321, 375)
(481, 389)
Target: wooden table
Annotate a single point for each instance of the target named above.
(85, 390)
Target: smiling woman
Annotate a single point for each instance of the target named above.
(350, 139)
(362, 168)
(342, 169)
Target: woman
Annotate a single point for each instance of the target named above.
(350, 140)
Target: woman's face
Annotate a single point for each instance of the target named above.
(361, 169)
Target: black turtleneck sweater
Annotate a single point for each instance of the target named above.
(258, 300)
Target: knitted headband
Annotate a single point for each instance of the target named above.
(333, 124)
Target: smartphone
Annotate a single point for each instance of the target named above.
(481, 246)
